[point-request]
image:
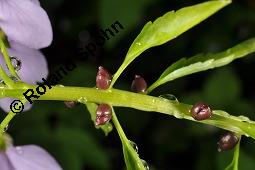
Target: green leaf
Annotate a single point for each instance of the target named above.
(132, 160)
(168, 27)
(234, 164)
(202, 62)
(92, 107)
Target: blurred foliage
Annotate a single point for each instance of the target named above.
(128, 17)
(69, 134)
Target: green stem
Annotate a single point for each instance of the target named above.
(117, 74)
(2, 35)
(7, 58)
(152, 87)
(236, 155)
(131, 157)
(6, 121)
(234, 163)
(118, 127)
(122, 98)
(8, 118)
(125, 63)
(7, 80)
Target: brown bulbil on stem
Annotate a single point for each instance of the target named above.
(103, 114)
(103, 78)
(139, 85)
(227, 142)
(201, 111)
(70, 104)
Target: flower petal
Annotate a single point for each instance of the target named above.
(34, 65)
(31, 157)
(6, 102)
(37, 2)
(25, 22)
(33, 68)
(4, 162)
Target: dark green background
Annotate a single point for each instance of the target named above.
(164, 141)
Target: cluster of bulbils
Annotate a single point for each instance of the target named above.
(103, 81)
(199, 111)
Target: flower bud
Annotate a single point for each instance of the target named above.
(139, 85)
(103, 78)
(103, 114)
(201, 111)
(227, 142)
(70, 104)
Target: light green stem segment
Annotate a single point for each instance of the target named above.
(234, 164)
(4, 124)
(7, 59)
(8, 118)
(8, 81)
(3, 74)
(133, 162)
(116, 123)
(124, 66)
(120, 98)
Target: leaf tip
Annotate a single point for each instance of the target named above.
(226, 1)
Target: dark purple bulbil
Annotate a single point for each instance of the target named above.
(227, 142)
(103, 78)
(103, 114)
(139, 85)
(70, 104)
(201, 111)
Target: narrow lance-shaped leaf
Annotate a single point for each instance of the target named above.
(168, 27)
(132, 160)
(202, 62)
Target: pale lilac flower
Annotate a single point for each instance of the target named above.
(34, 68)
(25, 22)
(34, 65)
(28, 157)
(27, 28)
